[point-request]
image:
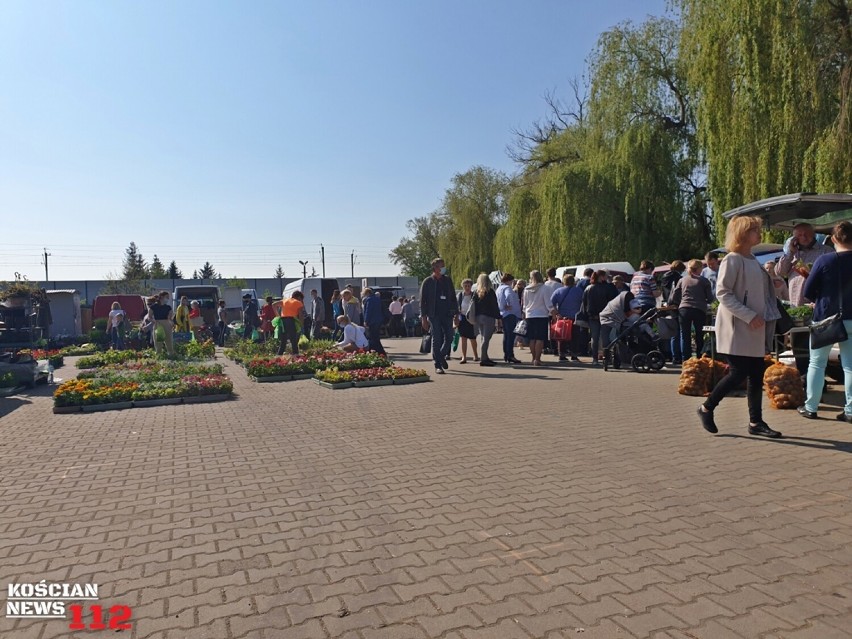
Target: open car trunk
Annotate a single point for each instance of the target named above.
(784, 212)
(822, 210)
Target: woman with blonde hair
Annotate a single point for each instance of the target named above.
(537, 311)
(742, 289)
(487, 314)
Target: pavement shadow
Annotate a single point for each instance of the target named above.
(9, 404)
(490, 375)
(806, 442)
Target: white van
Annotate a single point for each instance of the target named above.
(613, 268)
(324, 286)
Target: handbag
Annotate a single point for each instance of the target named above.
(581, 319)
(521, 327)
(561, 330)
(470, 316)
(426, 343)
(830, 330)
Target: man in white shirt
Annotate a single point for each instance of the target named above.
(711, 271)
(396, 328)
(354, 336)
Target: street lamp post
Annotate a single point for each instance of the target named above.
(304, 268)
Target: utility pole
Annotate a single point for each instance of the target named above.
(353, 263)
(322, 251)
(304, 268)
(46, 254)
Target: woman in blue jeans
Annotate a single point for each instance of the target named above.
(828, 285)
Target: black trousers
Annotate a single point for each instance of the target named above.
(289, 334)
(742, 368)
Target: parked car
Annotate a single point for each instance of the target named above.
(207, 296)
(625, 269)
(324, 286)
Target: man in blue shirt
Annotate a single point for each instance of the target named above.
(567, 300)
(510, 312)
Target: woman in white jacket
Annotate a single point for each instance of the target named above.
(537, 311)
(743, 291)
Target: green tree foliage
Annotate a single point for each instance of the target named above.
(462, 231)
(156, 270)
(207, 272)
(474, 208)
(195, 275)
(134, 267)
(621, 179)
(415, 253)
(115, 285)
(774, 83)
(173, 272)
(279, 273)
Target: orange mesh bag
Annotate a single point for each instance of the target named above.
(783, 386)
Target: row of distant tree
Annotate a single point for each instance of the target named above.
(135, 270)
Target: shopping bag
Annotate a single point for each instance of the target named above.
(426, 343)
(561, 330)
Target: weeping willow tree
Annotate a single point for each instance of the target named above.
(774, 79)
(474, 207)
(627, 185)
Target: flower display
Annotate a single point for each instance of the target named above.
(335, 375)
(143, 380)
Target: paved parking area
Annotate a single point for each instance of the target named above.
(491, 503)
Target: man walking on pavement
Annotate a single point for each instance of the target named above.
(438, 307)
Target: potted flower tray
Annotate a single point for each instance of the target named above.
(336, 386)
(97, 408)
(411, 380)
(202, 399)
(299, 376)
(273, 378)
(372, 382)
(64, 410)
(163, 401)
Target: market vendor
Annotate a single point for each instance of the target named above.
(800, 253)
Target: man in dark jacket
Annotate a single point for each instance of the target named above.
(438, 307)
(251, 320)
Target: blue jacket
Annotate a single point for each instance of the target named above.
(567, 301)
(373, 310)
(829, 277)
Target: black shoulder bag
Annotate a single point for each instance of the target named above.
(830, 330)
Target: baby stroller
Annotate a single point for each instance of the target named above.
(635, 344)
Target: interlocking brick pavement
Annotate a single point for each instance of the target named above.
(498, 503)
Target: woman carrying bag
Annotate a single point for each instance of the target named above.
(832, 297)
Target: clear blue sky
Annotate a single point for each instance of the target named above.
(248, 133)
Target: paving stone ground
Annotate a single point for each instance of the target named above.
(490, 503)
